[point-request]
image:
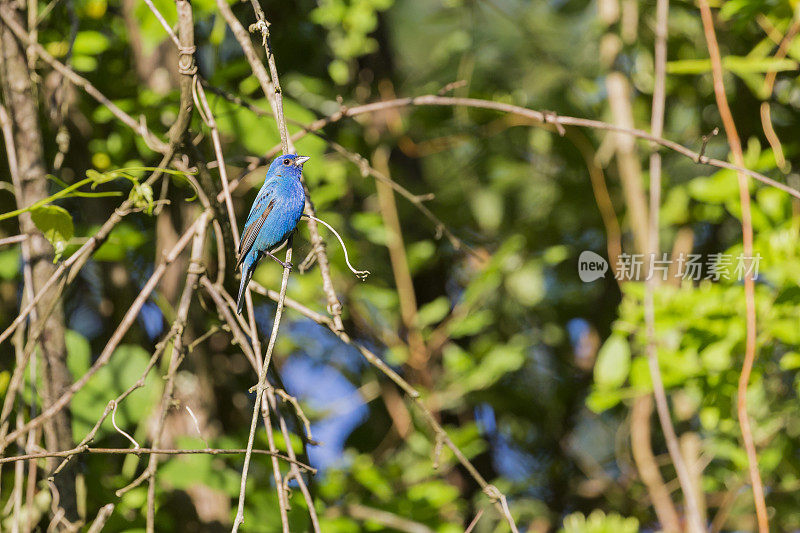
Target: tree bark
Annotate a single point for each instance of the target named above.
(31, 186)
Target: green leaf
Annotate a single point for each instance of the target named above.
(125, 367)
(79, 353)
(470, 324)
(735, 64)
(603, 400)
(790, 361)
(488, 209)
(500, 361)
(715, 189)
(90, 43)
(599, 522)
(5, 379)
(613, 363)
(56, 225)
(433, 312)
(371, 225)
(9, 263)
(419, 254)
(526, 284)
(717, 356)
(123, 239)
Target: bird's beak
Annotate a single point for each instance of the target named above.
(299, 160)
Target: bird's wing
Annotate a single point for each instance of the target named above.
(251, 231)
(262, 199)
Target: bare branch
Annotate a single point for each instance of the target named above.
(102, 517)
(539, 117)
(294, 471)
(695, 523)
(261, 387)
(178, 352)
(749, 282)
(12, 240)
(149, 451)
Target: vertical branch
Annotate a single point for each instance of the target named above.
(19, 468)
(283, 497)
(630, 171)
(17, 88)
(601, 195)
(662, 406)
(647, 465)
(195, 269)
(749, 282)
(397, 256)
(294, 471)
(260, 388)
(271, 88)
(208, 117)
(277, 93)
(769, 83)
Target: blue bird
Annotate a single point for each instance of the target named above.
(273, 217)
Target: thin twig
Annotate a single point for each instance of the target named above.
(224, 308)
(149, 451)
(749, 282)
(178, 352)
(474, 522)
(769, 83)
(208, 117)
(294, 471)
(538, 117)
(281, 487)
(262, 385)
(695, 524)
(386, 519)
(360, 274)
(102, 517)
(163, 22)
(12, 240)
(120, 430)
(285, 396)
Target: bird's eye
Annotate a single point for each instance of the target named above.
(286, 162)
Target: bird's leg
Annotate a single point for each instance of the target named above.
(284, 264)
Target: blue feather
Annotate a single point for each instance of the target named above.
(273, 216)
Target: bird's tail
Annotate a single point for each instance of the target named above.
(247, 273)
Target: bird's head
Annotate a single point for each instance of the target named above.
(289, 166)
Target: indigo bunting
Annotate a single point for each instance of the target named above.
(273, 217)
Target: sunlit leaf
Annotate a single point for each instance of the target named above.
(55, 223)
(613, 363)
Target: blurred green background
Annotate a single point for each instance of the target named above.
(534, 373)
